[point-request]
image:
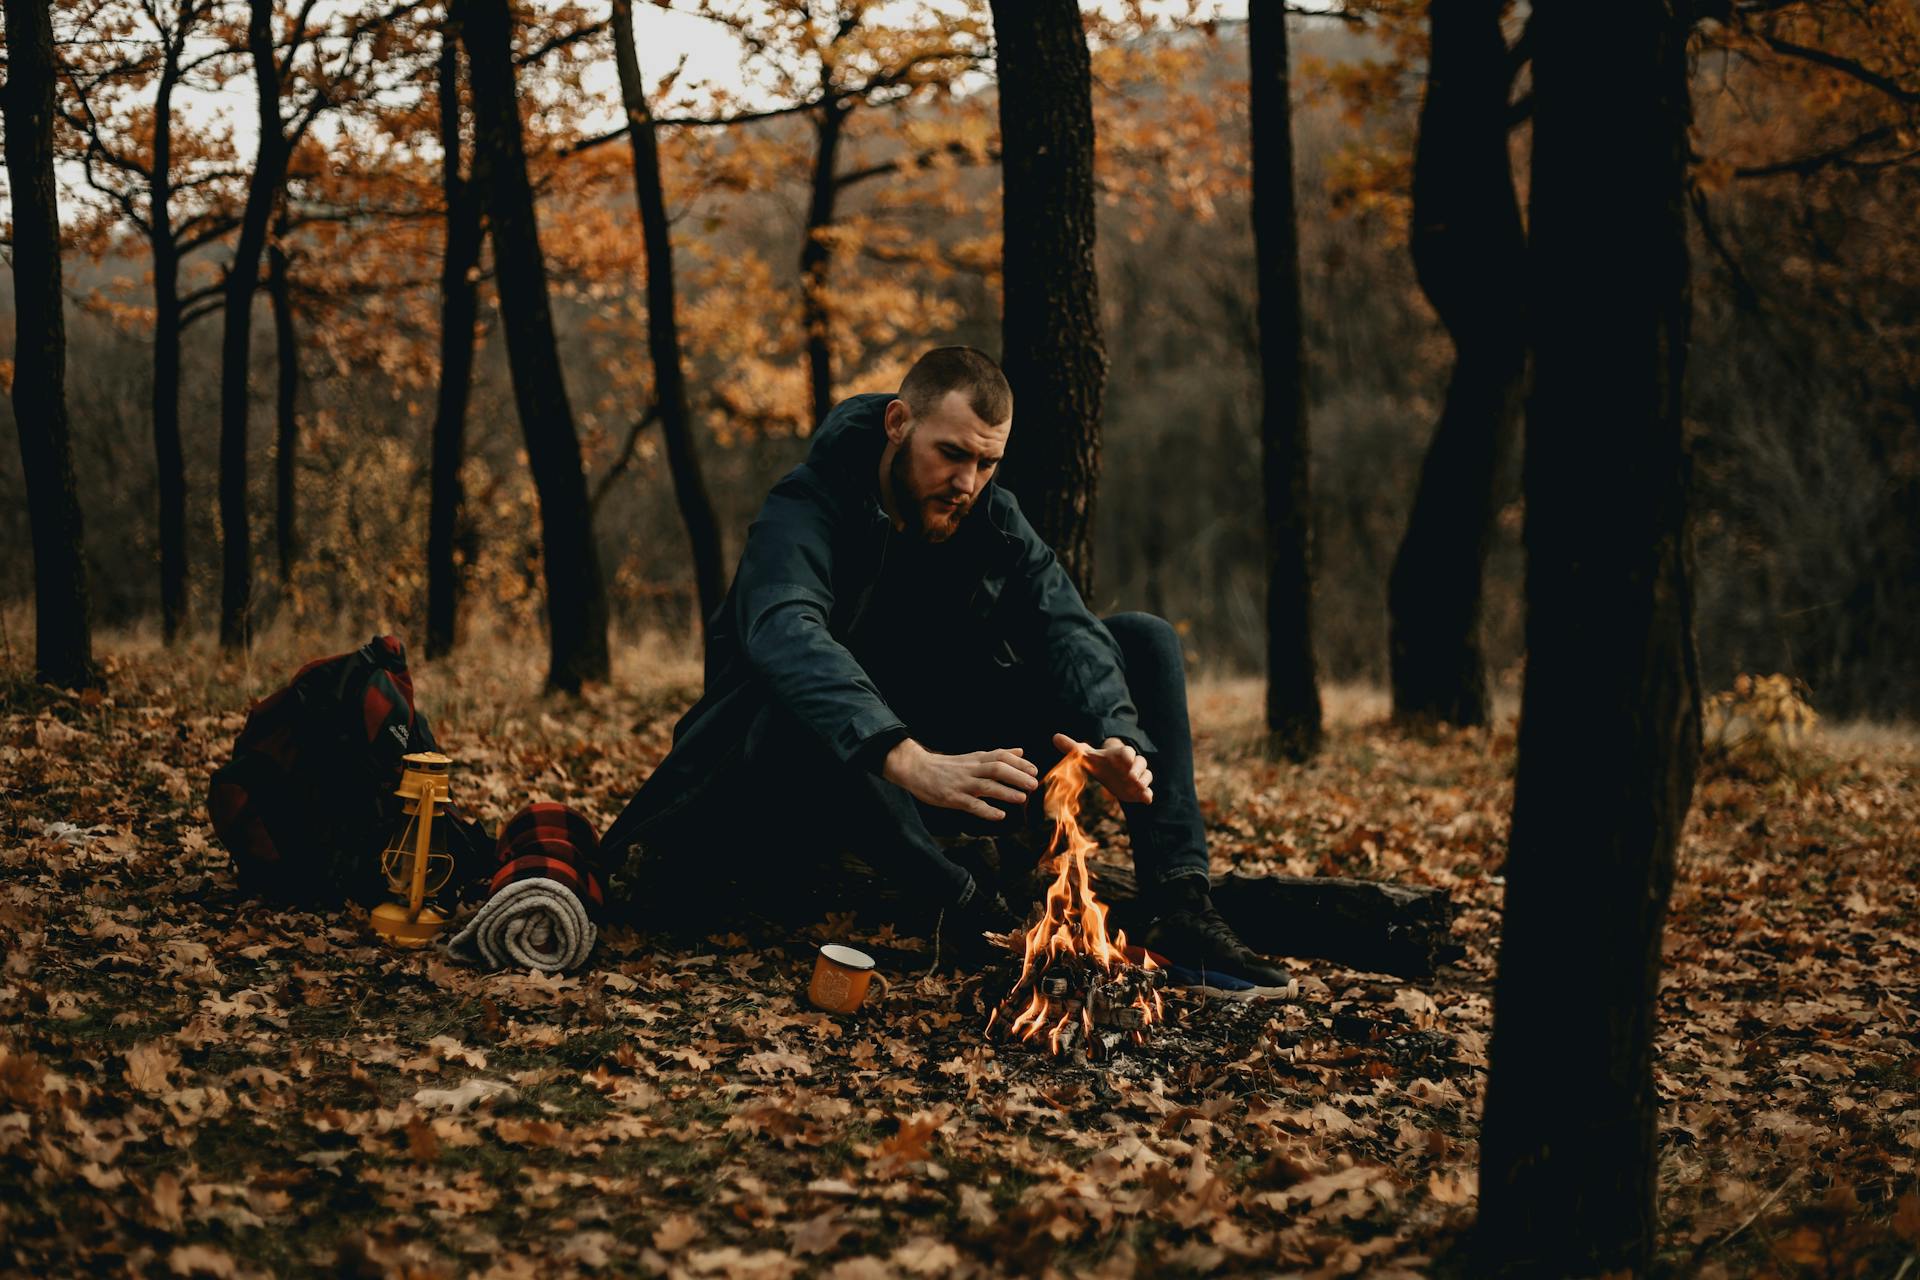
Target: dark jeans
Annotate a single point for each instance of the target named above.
(793, 789)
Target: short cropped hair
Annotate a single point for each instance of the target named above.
(963, 369)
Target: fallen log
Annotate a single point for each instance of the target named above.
(1372, 925)
(1376, 926)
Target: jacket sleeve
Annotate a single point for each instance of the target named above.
(1053, 628)
(783, 596)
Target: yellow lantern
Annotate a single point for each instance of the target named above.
(416, 862)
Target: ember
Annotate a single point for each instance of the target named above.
(1076, 980)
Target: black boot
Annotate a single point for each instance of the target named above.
(1190, 931)
(962, 929)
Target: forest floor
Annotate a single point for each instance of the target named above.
(191, 1084)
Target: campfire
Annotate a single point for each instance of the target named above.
(1076, 980)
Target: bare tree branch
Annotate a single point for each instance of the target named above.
(203, 229)
(625, 460)
(1844, 156)
(897, 78)
(695, 122)
(297, 37)
(1743, 289)
(1845, 66)
(894, 257)
(559, 42)
(881, 170)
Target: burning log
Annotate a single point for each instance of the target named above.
(1077, 979)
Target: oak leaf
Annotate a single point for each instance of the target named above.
(1906, 1218)
(201, 1260)
(821, 1233)
(772, 1062)
(591, 1249)
(464, 1096)
(927, 1256)
(149, 1064)
(766, 1264)
(861, 1269)
(676, 1231)
(164, 1200)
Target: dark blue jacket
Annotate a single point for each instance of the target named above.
(809, 586)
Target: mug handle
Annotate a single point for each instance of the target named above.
(886, 988)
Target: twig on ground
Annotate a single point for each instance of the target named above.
(1749, 1220)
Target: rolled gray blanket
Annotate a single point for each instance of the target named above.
(529, 924)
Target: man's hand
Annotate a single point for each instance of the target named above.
(963, 782)
(1115, 766)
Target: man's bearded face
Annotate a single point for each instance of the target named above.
(940, 469)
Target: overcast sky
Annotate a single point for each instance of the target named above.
(713, 58)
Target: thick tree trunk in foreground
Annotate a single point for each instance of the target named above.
(576, 597)
(1293, 691)
(1054, 355)
(1609, 730)
(236, 346)
(1469, 249)
(663, 327)
(63, 626)
(459, 311)
(286, 434)
(170, 465)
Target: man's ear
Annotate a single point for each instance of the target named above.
(898, 419)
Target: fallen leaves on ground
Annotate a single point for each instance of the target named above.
(194, 1085)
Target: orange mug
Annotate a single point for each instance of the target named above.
(840, 978)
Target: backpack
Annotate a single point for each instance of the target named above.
(307, 803)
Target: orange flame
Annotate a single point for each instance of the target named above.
(1074, 924)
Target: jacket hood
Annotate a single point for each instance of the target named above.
(846, 449)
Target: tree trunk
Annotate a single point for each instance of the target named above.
(1610, 728)
(63, 625)
(576, 598)
(816, 255)
(170, 466)
(287, 391)
(459, 310)
(663, 327)
(1469, 249)
(1293, 691)
(1156, 536)
(169, 455)
(236, 346)
(1054, 356)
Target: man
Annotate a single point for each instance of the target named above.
(900, 653)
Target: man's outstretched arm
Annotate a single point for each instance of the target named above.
(1115, 765)
(1054, 627)
(964, 782)
(785, 595)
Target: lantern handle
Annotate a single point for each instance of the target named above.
(417, 892)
